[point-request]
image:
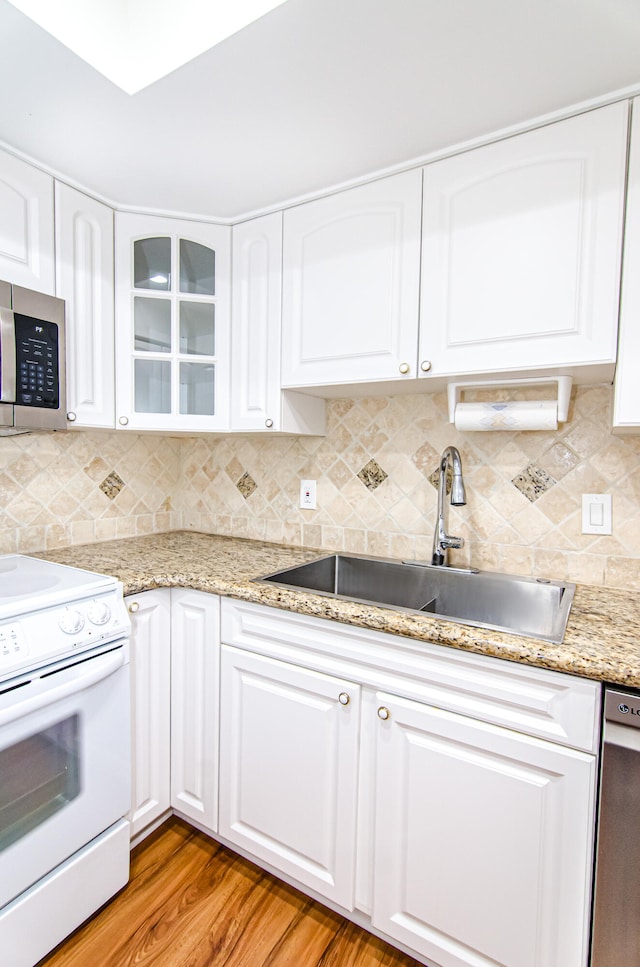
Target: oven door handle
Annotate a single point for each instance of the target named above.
(7, 356)
(42, 692)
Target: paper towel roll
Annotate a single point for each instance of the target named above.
(517, 415)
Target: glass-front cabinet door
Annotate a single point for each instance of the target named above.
(172, 323)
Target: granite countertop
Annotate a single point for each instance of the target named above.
(602, 641)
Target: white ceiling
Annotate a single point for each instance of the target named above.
(313, 94)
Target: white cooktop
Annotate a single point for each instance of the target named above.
(29, 584)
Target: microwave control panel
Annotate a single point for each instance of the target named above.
(37, 362)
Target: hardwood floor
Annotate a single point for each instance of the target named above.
(193, 903)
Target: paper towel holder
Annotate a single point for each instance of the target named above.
(564, 384)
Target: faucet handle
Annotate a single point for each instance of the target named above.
(450, 541)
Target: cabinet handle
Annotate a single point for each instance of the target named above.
(71, 416)
(425, 365)
(384, 713)
(343, 698)
(404, 368)
(123, 420)
(133, 607)
(268, 424)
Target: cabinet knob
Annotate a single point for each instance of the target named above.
(268, 424)
(384, 713)
(425, 365)
(404, 368)
(133, 607)
(71, 416)
(343, 698)
(123, 420)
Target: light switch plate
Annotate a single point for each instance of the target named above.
(596, 514)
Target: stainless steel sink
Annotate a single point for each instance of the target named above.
(536, 607)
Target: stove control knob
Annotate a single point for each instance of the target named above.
(98, 612)
(71, 622)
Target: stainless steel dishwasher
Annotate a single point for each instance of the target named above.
(616, 923)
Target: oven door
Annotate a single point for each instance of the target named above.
(64, 765)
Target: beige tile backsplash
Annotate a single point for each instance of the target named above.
(375, 488)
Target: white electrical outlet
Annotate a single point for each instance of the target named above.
(308, 494)
(596, 513)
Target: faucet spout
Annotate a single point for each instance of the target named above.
(441, 540)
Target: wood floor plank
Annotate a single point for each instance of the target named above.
(193, 903)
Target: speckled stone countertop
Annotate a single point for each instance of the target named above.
(602, 641)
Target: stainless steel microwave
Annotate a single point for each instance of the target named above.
(32, 360)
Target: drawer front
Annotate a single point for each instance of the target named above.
(533, 701)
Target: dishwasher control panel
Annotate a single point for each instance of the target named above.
(622, 707)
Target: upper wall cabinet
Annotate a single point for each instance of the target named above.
(626, 407)
(257, 401)
(521, 249)
(351, 285)
(26, 230)
(172, 324)
(84, 279)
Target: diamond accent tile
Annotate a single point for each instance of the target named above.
(533, 481)
(372, 475)
(246, 485)
(112, 485)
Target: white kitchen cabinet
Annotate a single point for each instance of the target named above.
(195, 695)
(521, 245)
(84, 279)
(257, 401)
(482, 842)
(173, 283)
(626, 406)
(289, 768)
(475, 795)
(351, 265)
(150, 715)
(26, 233)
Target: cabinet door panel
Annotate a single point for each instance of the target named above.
(195, 687)
(173, 282)
(26, 237)
(257, 309)
(626, 407)
(483, 842)
(84, 279)
(351, 278)
(521, 249)
(151, 695)
(288, 770)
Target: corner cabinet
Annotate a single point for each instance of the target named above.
(84, 279)
(351, 266)
(626, 406)
(172, 324)
(521, 250)
(26, 241)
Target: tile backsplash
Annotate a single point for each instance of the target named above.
(376, 487)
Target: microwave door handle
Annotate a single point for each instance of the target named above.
(43, 692)
(7, 356)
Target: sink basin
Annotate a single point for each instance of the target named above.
(535, 607)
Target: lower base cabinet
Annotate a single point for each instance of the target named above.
(289, 770)
(150, 713)
(464, 841)
(175, 640)
(482, 851)
(443, 798)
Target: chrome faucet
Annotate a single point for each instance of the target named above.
(441, 540)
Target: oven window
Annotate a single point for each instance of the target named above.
(38, 777)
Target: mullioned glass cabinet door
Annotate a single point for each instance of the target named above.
(172, 291)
